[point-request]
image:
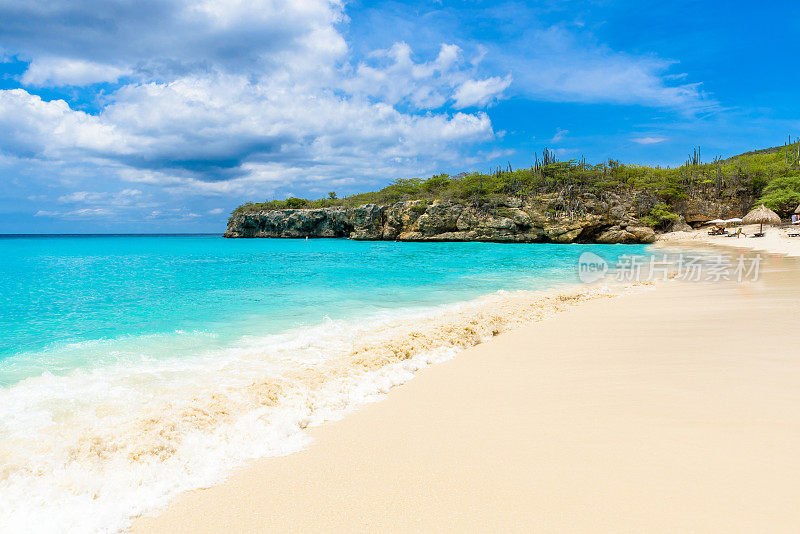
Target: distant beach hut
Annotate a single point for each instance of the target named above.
(797, 211)
(762, 215)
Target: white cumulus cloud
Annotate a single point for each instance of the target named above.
(50, 72)
(479, 93)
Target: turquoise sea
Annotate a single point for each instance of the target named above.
(136, 367)
(81, 301)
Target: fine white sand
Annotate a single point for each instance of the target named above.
(775, 241)
(673, 410)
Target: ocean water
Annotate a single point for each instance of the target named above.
(134, 367)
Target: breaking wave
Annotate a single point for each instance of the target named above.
(88, 450)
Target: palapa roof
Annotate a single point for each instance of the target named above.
(762, 215)
(797, 210)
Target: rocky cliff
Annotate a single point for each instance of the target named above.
(592, 220)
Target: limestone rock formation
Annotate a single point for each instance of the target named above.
(505, 220)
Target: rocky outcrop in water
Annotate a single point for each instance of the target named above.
(606, 220)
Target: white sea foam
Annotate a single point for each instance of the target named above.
(85, 452)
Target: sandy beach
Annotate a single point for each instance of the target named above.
(667, 410)
(775, 240)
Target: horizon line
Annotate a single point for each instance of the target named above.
(95, 234)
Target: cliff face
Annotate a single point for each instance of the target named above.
(607, 220)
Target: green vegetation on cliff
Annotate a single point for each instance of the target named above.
(782, 194)
(769, 176)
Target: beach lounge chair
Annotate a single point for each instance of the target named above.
(737, 233)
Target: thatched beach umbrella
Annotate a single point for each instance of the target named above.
(797, 210)
(762, 216)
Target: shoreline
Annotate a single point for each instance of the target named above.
(470, 443)
(191, 425)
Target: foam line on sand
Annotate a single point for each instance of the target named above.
(672, 410)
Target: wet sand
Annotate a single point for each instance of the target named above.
(669, 410)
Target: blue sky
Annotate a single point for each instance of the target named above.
(164, 115)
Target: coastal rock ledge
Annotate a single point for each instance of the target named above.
(510, 220)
